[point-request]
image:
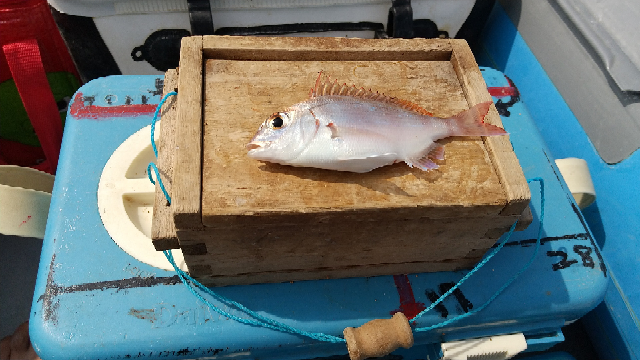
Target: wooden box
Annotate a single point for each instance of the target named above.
(240, 221)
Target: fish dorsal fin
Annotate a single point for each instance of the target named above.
(325, 87)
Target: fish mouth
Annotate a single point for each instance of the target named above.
(254, 145)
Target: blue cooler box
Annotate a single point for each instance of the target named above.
(93, 300)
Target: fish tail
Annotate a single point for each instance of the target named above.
(471, 122)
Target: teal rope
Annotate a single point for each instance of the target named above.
(155, 169)
(193, 285)
(155, 148)
(155, 119)
(476, 268)
(512, 279)
(263, 321)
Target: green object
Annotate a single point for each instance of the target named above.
(14, 121)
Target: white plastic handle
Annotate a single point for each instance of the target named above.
(578, 178)
(126, 197)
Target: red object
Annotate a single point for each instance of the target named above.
(21, 154)
(28, 73)
(408, 305)
(502, 91)
(79, 110)
(32, 46)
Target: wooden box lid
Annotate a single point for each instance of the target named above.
(228, 85)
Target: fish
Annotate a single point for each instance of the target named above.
(345, 128)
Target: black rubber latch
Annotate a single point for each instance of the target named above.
(161, 49)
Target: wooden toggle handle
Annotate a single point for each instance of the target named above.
(378, 337)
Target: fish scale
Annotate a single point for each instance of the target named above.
(346, 128)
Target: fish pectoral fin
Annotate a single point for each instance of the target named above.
(334, 130)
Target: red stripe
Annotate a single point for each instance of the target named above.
(408, 305)
(79, 110)
(502, 91)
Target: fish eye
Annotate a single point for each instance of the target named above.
(276, 121)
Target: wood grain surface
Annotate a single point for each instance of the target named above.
(325, 49)
(239, 95)
(506, 163)
(163, 229)
(341, 243)
(207, 276)
(186, 194)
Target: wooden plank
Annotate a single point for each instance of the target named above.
(204, 275)
(188, 147)
(337, 244)
(500, 150)
(163, 229)
(240, 95)
(323, 48)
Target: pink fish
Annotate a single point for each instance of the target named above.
(346, 128)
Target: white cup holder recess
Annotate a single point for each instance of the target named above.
(126, 197)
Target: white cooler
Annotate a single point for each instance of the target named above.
(141, 34)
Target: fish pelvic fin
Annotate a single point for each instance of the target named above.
(427, 162)
(471, 122)
(325, 86)
(437, 153)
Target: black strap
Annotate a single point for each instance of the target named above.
(200, 17)
(400, 21)
(86, 46)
